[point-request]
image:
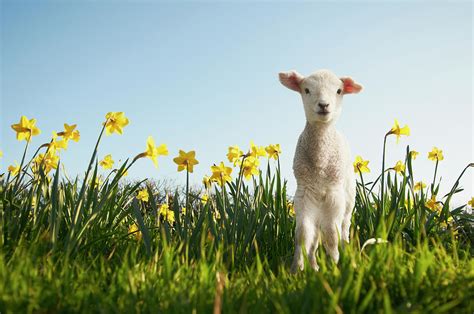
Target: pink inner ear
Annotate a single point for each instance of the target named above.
(291, 80)
(350, 87)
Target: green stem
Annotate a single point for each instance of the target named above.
(434, 177)
(381, 212)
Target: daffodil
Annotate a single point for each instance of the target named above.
(273, 151)
(433, 204)
(207, 182)
(398, 131)
(291, 208)
(47, 161)
(408, 203)
(471, 202)
(14, 169)
(183, 210)
(70, 133)
(221, 174)
(419, 186)
(25, 129)
(234, 154)
(107, 162)
(143, 195)
(186, 160)
(414, 154)
(153, 152)
(135, 232)
(361, 165)
(115, 122)
(1, 154)
(166, 213)
(204, 199)
(250, 167)
(436, 154)
(257, 151)
(58, 144)
(399, 167)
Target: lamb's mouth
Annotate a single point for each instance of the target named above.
(323, 113)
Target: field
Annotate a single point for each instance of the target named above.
(105, 244)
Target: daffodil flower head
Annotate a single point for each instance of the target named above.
(221, 174)
(399, 167)
(204, 199)
(25, 129)
(433, 204)
(414, 154)
(419, 186)
(107, 162)
(58, 144)
(250, 167)
(206, 180)
(70, 133)
(471, 202)
(14, 169)
(257, 151)
(153, 152)
(398, 131)
(186, 161)
(143, 195)
(234, 154)
(115, 122)
(273, 151)
(167, 213)
(135, 232)
(436, 154)
(47, 161)
(360, 165)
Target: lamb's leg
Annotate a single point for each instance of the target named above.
(346, 222)
(331, 222)
(304, 233)
(313, 250)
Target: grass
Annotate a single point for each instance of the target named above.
(81, 246)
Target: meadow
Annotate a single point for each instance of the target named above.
(99, 243)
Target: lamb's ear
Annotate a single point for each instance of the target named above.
(291, 79)
(350, 87)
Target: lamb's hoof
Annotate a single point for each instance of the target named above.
(295, 267)
(314, 266)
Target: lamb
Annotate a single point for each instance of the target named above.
(326, 187)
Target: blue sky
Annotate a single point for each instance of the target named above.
(203, 76)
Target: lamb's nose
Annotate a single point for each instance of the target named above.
(323, 106)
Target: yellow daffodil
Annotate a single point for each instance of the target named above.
(273, 151)
(207, 182)
(115, 122)
(414, 154)
(433, 204)
(234, 154)
(183, 210)
(399, 167)
(419, 186)
(14, 169)
(153, 152)
(135, 232)
(257, 151)
(1, 154)
(361, 165)
(250, 167)
(408, 203)
(436, 154)
(47, 161)
(143, 195)
(186, 160)
(471, 202)
(166, 213)
(25, 129)
(399, 131)
(291, 208)
(204, 199)
(107, 162)
(70, 133)
(221, 174)
(58, 144)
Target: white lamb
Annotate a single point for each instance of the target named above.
(326, 187)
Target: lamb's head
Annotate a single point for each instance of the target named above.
(321, 92)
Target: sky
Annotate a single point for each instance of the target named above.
(204, 75)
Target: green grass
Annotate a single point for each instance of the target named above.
(66, 247)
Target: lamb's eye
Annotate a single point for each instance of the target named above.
(339, 91)
(306, 91)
